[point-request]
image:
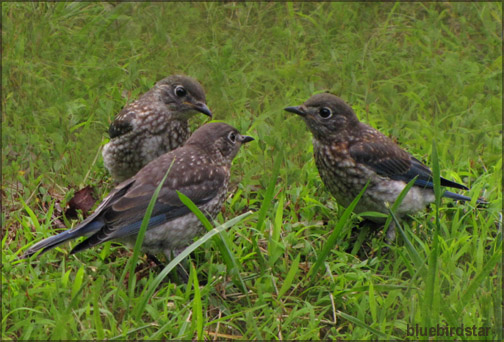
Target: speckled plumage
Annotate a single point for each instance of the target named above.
(348, 153)
(154, 124)
(200, 169)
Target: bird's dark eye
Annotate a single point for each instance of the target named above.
(232, 137)
(180, 91)
(325, 113)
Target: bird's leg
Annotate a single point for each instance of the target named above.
(181, 275)
(155, 260)
(391, 233)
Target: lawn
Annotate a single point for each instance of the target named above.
(421, 73)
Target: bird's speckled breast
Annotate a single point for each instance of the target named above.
(339, 172)
(125, 155)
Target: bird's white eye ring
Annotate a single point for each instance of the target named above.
(180, 91)
(232, 137)
(325, 113)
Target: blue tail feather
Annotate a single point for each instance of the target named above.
(457, 197)
(62, 237)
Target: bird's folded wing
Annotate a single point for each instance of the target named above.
(384, 157)
(122, 123)
(124, 217)
(387, 159)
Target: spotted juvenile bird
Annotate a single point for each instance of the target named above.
(200, 170)
(348, 153)
(154, 124)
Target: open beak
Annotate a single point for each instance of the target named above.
(299, 110)
(202, 108)
(245, 139)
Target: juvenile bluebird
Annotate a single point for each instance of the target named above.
(348, 153)
(200, 170)
(154, 124)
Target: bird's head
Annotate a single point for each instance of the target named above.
(326, 115)
(183, 96)
(220, 140)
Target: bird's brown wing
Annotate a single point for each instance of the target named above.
(201, 184)
(380, 154)
(387, 159)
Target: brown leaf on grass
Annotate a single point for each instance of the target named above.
(83, 200)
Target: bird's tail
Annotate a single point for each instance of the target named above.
(55, 240)
(457, 197)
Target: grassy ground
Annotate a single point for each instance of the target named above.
(418, 72)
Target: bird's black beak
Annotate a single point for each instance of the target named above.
(202, 108)
(296, 110)
(245, 139)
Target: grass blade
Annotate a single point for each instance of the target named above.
(290, 277)
(419, 263)
(417, 259)
(331, 241)
(372, 301)
(77, 283)
(141, 233)
(32, 215)
(196, 211)
(155, 283)
(268, 198)
(222, 244)
(476, 281)
(362, 324)
(433, 257)
(197, 305)
(436, 176)
(275, 249)
(100, 335)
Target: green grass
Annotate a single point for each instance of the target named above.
(418, 72)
